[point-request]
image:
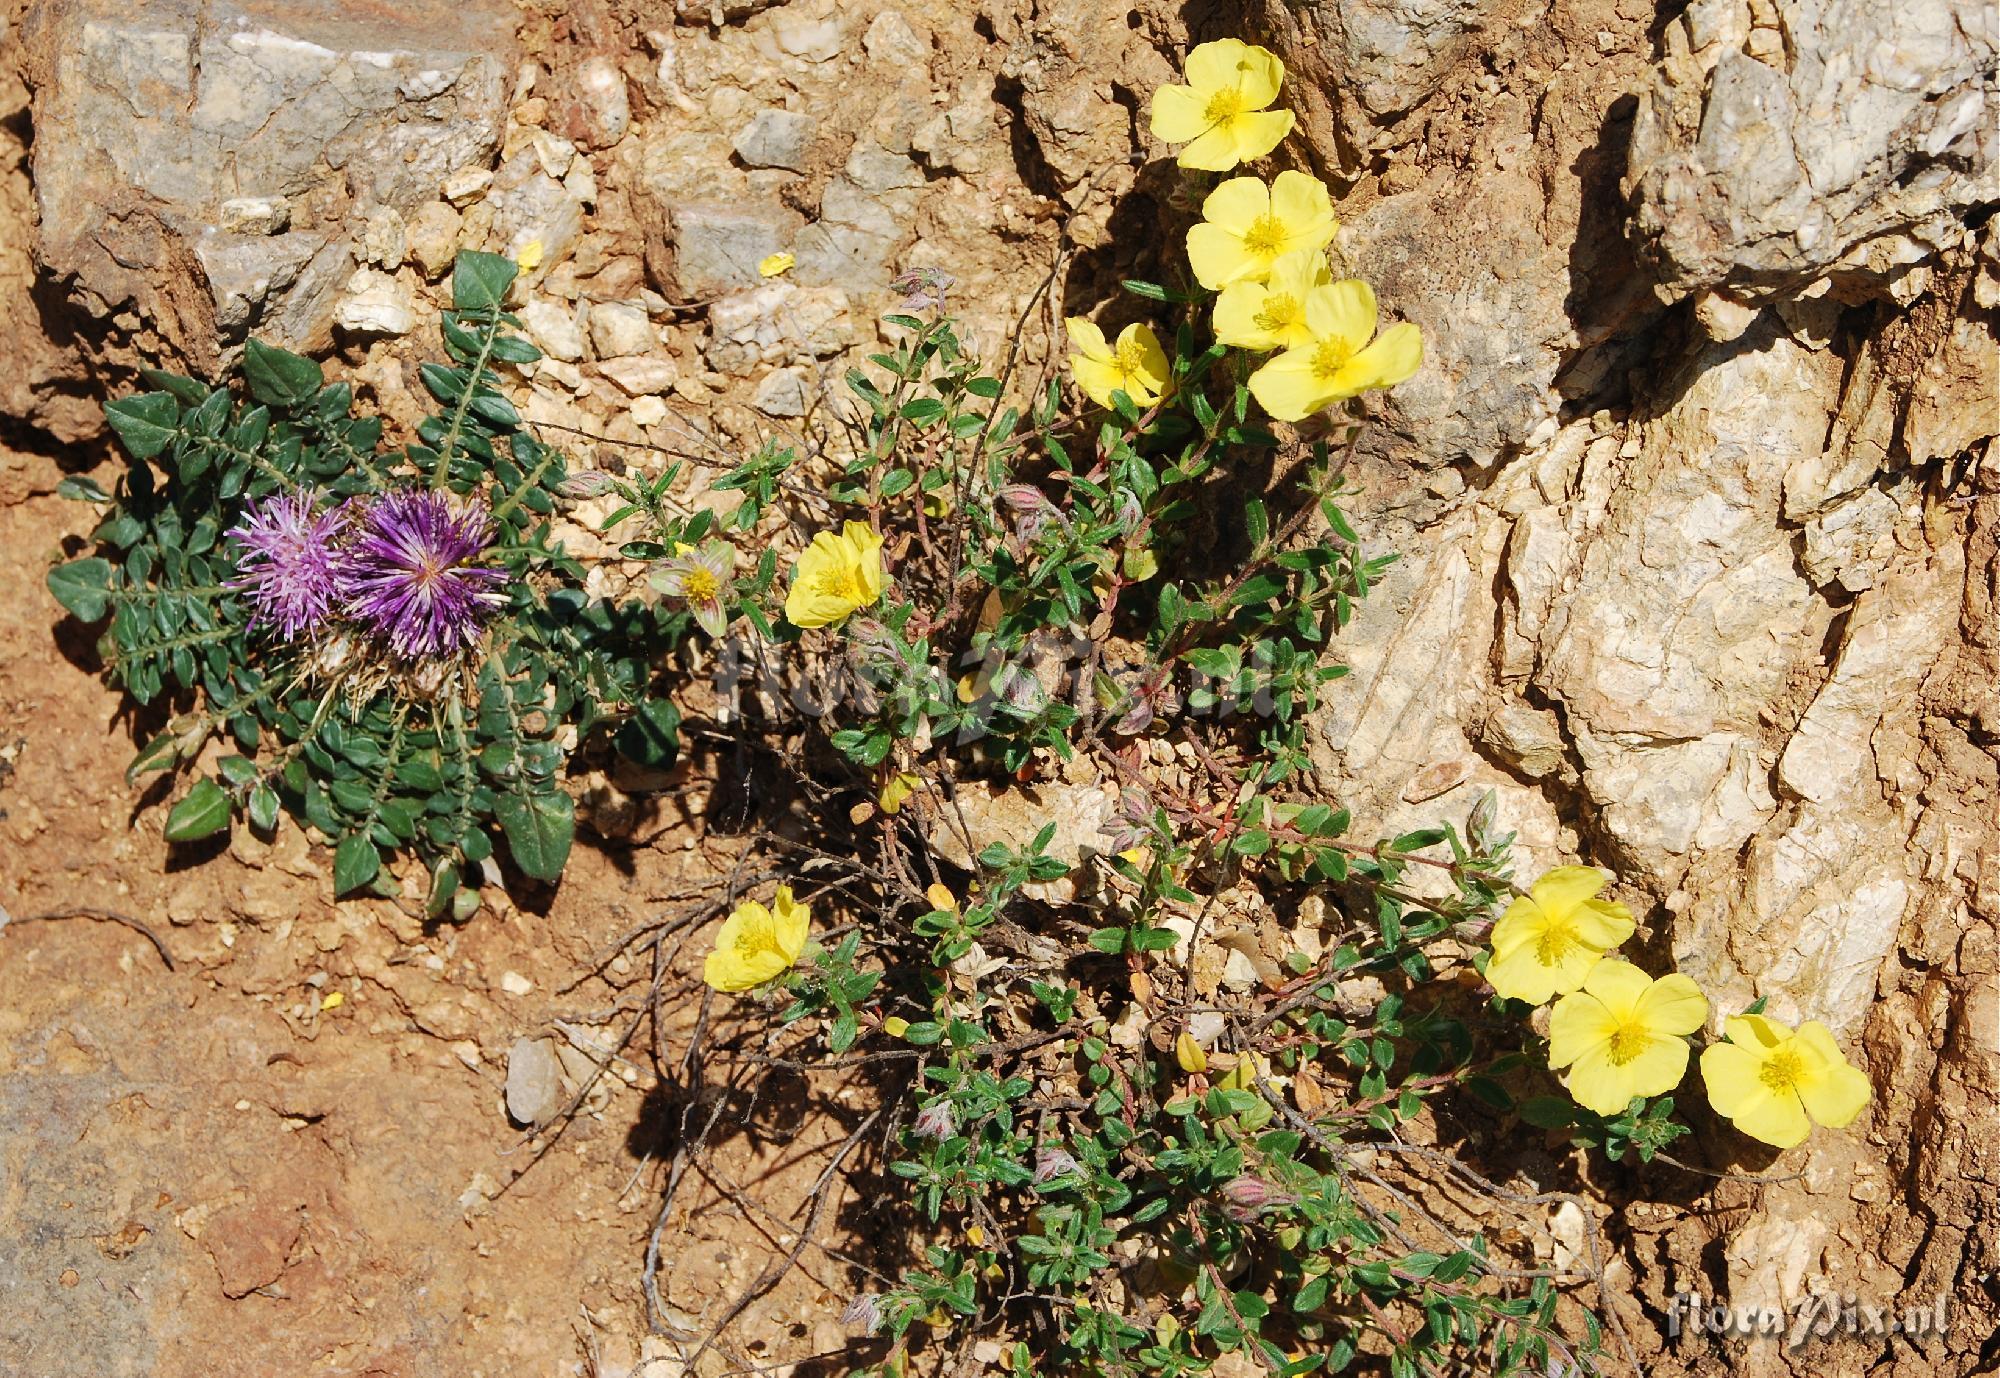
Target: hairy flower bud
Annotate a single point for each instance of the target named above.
(864, 1313)
(1247, 1197)
(1052, 1162)
(588, 483)
(936, 1121)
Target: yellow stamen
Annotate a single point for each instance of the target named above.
(1223, 106)
(1265, 237)
(1557, 938)
(1279, 312)
(1782, 1072)
(1329, 357)
(699, 586)
(1627, 1042)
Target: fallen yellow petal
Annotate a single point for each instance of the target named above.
(775, 265)
(334, 1000)
(895, 1026)
(940, 897)
(530, 257)
(1188, 1053)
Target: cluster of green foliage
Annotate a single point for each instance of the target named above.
(375, 763)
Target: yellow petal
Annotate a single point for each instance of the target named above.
(1344, 313)
(1237, 203)
(1620, 985)
(1188, 1053)
(1674, 1005)
(1835, 1092)
(1573, 969)
(1302, 203)
(1287, 387)
(1523, 922)
(1088, 339)
(1217, 257)
(1256, 134)
(1390, 360)
(1153, 367)
(1602, 924)
(791, 921)
(895, 1026)
(1236, 316)
(1577, 1024)
(775, 265)
(1658, 1069)
(1775, 1119)
(940, 897)
(1732, 1076)
(900, 786)
(1598, 1084)
(866, 551)
(1516, 975)
(1179, 114)
(530, 257)
(1565, 887)
(333, 1000)
(1259, 74)
(1215, 66)
(1214, 151)
(1099, 380)
(1758, 1032)
(1298, 272)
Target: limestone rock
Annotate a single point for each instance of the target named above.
(775, 138)
(1782, 143)
(554, 329)
(148, 118)
(715, 246)
(617, 328)
(785, 392)
(433, 237)
(377, 304)
(531, 206)
(534, 1081)
(640, 376)
(776, 324)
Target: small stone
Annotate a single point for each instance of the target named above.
(467, 185)
(776, 138)
(385, 241)
(433, 237)
(1724, 318)
(602, 111)
(530, 206)
(784, 392)
(377, 304)
(256, 215)
(640, 377)
(534, 1081)
(554, 329)
(718, 244)
(648, 411)
(891, 41)
(815, 40)
(514, 983)
(618, 329)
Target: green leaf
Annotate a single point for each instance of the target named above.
(651, 737)
(355, 862)
(539, 827)
(82, 586)
(279, 378)
(146, 423)
(263, 808)
(203, 813)
(479, 282)
(1548, 1112)
(80, 489)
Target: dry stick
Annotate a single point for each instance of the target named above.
(86, 911)
(772, 1275)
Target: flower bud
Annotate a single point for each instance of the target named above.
(588, 483)
(1246, 1197)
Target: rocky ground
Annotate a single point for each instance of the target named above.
(1696, 500)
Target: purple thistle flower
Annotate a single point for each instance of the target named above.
(936, 1121)
(1052, 1162)
(410, 578)
(699, 577)
(288, 564)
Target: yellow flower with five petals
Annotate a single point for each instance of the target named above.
(1775, 1083)
(1135, 366)
(1246, 227)
(1550, 938)
(1220, 113)
(1624, 1035)
(836, 575)
(756, 944)
(1272, 314)
(1338, 361)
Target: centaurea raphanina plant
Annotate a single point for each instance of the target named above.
(387, 636)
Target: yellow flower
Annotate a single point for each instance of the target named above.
(1775, 1084)
(775, 265)
(1624, 1035)
(1220, 113)
(1246, 227)
(1189, 1054)
(1258, 315)
(900, 787)
(834, 576)
(1338, 362)
(1550, 938)
(756, 944)
(1137, 366)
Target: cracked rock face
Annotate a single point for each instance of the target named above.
(1786, 142)
(156, 122)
